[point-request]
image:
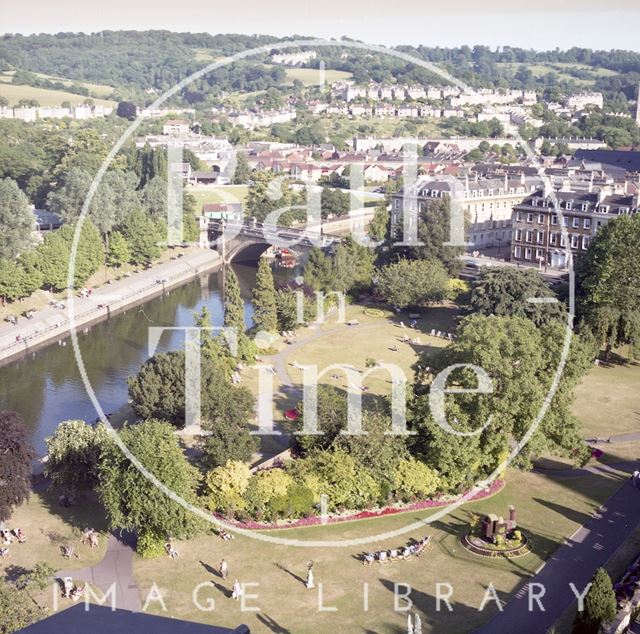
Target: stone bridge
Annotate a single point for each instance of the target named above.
(248, 241)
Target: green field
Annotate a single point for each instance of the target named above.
(310, 76)
(539, 70)
(218, 194)
(43, 96)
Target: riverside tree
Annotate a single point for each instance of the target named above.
(265, 315)
(134, 503)
(16, 219)
(15, 466)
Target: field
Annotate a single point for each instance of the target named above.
(310, 76)
(218, 194)
(45, 97)
(559, 69)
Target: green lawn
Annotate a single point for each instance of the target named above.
(311, 76)
(556, 68)
(44, 97)
(218, 194)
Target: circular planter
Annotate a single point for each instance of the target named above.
(476, 546)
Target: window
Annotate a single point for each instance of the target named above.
(397, 203)
(529, 236)
(554, 219)
(534, 202)
(527, 253)
(587, 223)
(562, 241)
(518, 216)
(585, 242)
(539, 254)
(540, 237)
(569, 204)
(576, 222)
(529, 217)
(574, 241)
(565, 221)
(540, 219)
(491, 192)
(518, 235)
(517, 252)
(552, 238)
(604, 209)
(584, 207)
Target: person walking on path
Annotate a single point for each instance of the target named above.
(224, 569)
(237, 590)
(309, 583)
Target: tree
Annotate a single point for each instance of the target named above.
(267, 491)
(228, 440)
(607, 279)
(243, 171)
(265, 316)
(16, 219)
(334, 202)
(434, 231)
(599, 605)
(15, 466)
(226, 486)
(234, 316)
(332, 419)
(378, 451)
(520, 360)
(412, 282)
(380, 223)
(16, 281)
(118, 252)
(73, 453)
(505, 291)
(17, 609)
(127, 110)
(143, 236)
(40, 576)
(413, 478)
(158, 391)
(266, 195)
(131, 501)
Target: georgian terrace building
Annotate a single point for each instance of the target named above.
(537, 232)
(487, 205)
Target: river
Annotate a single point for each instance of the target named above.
(45, 387)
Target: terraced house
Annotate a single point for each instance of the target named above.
(537, 226)
(487, 206)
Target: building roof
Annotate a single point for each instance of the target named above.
(100, 619)
(630, 161)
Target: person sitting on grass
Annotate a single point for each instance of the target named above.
(20, 536)
(7, 537)
(171, 551)
(368, 559)
(78, 593)
(4, 553)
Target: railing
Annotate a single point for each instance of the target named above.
(259, 230)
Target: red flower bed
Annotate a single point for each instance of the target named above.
(292, 414)
(314, 520)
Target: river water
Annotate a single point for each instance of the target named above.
(45, 387)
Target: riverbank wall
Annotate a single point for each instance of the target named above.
(52, 324)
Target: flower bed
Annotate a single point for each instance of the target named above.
(374, 312)
(315, 520)
(485, 549)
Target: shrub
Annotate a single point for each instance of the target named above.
(150, 545)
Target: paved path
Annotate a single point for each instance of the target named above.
(51, 323)
(590, 547)
(115, 568)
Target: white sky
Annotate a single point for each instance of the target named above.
(540, 24)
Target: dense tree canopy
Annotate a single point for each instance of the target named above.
(16, 219)
(15, 466)
(505, 291)
(412, 282)
(608, 278)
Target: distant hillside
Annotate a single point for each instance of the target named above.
(153, 61)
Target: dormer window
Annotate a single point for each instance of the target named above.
(604, 209)
(569, 204)
(585, 206)
(534, 202)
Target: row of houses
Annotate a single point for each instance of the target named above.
(349, 91)
(33, 113)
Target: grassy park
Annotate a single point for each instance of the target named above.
(549, 508)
